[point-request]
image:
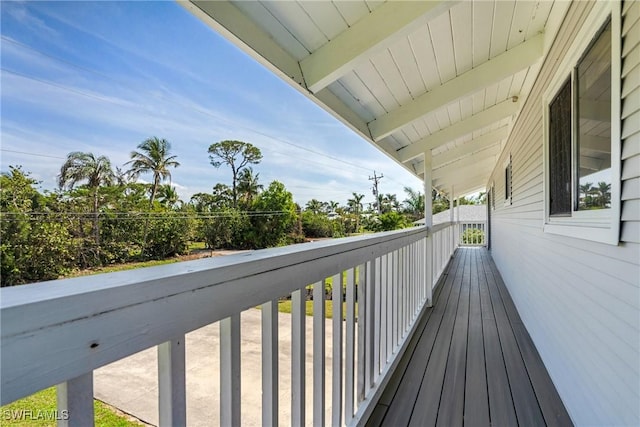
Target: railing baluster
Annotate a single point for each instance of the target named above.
(396, 299)
(172, 401)
(370, 339)
(363, 312)
(350, 345)
(336, 371)
(75, 401)
(270, 363)
(318, 353)
(298, 356)
(230, 375)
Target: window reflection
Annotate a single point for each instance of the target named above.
(593, 81)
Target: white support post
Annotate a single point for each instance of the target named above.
(383, 296)
(270, 363)
(298, 356)
(75, 402)
(377, 318)
(428, 223)
(390, 310)
(230, 371)
(336, 372)
(318, 353)
(452, 203)
(172, 401)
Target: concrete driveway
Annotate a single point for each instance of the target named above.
(131, 384)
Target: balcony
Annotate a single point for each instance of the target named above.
(389, 352)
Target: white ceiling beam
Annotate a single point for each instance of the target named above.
(470, 189)
(231, 23)
(479, 180)
(486, 74)
(488, 140)
(383, 26)
(468, 168)
(461, 128)
(464, 166)
(228, 20)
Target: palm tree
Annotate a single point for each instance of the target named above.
(587, 190)
(603, 194)
(332, 206)
(96, 171)
(168, 196)
(154, 158)
(414, 203)
(248, 186)
(314, 206)
(355, 204)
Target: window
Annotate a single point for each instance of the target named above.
(507, 181)
(582, 133)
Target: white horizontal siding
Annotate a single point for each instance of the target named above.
(580, 300)
(630, 230)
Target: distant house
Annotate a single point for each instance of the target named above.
(464, 213)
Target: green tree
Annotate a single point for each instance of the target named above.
(248, 186)
(168, 196)
(222, 196)
(315, 206)
(154, 157)
(237, 155)
(439, 201)
(34, 242)
(96, 171)
(316, 224)
(391, 220)
(273, 216)
(355, 206)
(227, 229)
(414, 203)
(603, 195)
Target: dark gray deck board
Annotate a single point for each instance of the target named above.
(555, 414)
(524, 398)
(426, 409)
(476, 410)
(401, 411)
(451, 409)
(472, 361)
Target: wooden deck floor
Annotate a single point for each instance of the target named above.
(471, 361)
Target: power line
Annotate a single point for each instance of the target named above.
(32, 154)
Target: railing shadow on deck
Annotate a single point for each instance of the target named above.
(59, 332)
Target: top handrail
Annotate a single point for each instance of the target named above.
(91, 321)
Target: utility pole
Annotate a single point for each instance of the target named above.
(376, 179)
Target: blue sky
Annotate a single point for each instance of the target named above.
(104, 76)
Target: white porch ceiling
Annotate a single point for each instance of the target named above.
(408, 76)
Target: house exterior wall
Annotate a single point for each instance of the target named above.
(579, 299)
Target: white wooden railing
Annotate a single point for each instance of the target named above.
(59, 332)
(472, 233)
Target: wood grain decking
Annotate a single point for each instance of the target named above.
(471, 361)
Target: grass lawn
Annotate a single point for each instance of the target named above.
(285, 307)
(39, 410)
